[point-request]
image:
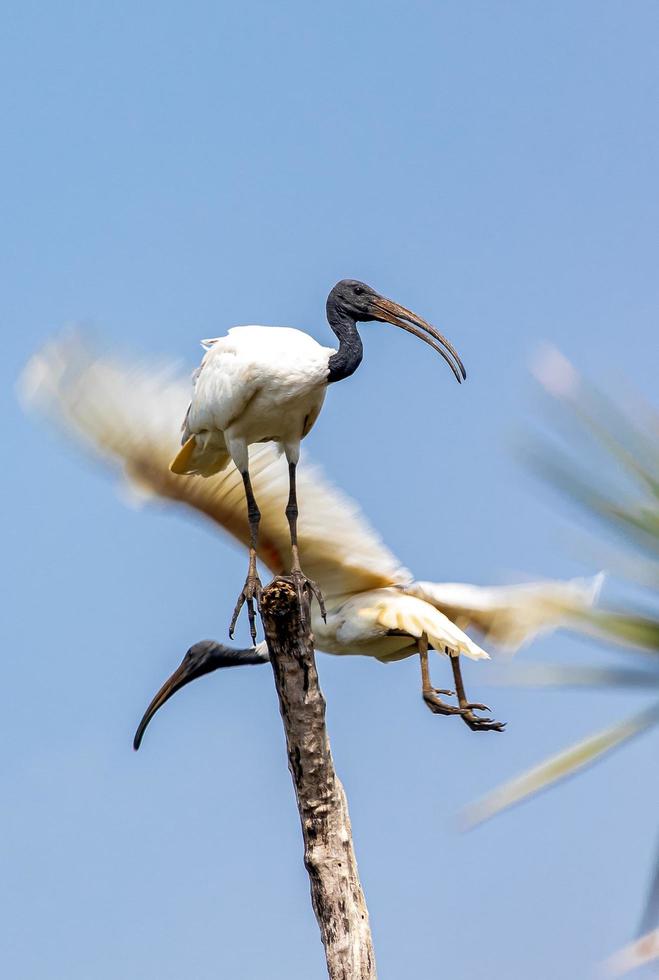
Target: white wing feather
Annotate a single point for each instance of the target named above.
(511, 616)
(224, 383)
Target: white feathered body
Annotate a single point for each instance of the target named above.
(386, 624)
(257, 384)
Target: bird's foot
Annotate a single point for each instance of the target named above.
(475, 722)
(251, 591)
(436, 705)
(307, 590)
(466, 710)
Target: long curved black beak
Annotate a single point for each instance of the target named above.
(181, 676)
(202, 658)
(388, 311)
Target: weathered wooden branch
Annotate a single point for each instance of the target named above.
(336, 892)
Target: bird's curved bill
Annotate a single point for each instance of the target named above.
(183, 674)
(388, 311)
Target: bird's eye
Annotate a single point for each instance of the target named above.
(359, 290)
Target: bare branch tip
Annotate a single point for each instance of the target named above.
(279, 598)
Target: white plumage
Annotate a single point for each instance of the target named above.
(128, 414)
(257, 384)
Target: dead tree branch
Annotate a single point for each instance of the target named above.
(336, 892)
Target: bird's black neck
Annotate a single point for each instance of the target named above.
(349, 355)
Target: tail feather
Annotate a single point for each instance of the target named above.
(194, 458)
(181, 462)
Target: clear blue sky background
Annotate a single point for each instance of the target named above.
(169, 170)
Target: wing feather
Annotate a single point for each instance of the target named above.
(129, 414)
(512, 616)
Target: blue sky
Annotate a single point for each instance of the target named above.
(169, 170)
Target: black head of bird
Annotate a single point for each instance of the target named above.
(202, 658)
(351, 301)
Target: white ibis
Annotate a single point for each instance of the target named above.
(268, 384)
(128, 415)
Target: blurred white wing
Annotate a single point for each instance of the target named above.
(130, 414)
(511, 616)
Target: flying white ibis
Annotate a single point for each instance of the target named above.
(128, 414)
(268, 384)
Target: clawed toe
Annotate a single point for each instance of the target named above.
(467, 708)
(306, 588)
(436, 705)
(251, 591)
(477, 724)
(466, 711)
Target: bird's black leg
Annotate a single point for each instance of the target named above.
(252, 588)
(428, 692)
(467, 708)
(302, 583)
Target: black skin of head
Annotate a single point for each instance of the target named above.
(202, 658)
(353, 297)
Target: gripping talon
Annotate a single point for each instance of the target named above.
(307, 589)
(251, 591)
(252, 619)
(315, 591)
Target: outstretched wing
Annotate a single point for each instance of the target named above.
(511, 616)
(129, 414)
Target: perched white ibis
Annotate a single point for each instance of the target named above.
(268, 384)
(129, 415)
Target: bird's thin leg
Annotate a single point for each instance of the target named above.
(467, 708)
(428, 692)
(252, 588)
(302, 583)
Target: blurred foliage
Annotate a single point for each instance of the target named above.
(604, 458)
